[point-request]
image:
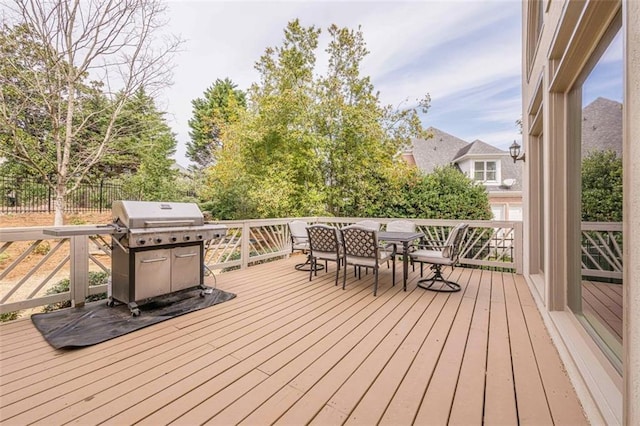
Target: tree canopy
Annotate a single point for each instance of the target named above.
(602, 187)
(68, 68)
(216, 109)
(307, 143)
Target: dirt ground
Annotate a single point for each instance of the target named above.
(46, 219)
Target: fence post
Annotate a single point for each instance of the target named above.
(100, 197)
(48, 198)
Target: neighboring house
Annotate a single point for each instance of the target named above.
(437, 151)
(574, 52)
(482, 162)
(602, 126)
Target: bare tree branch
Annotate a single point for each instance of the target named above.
(109, 41)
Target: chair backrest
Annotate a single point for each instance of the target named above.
(298, 229)
(401, 226)
(323, 238)
(454, 242)
(360, 241)
(371, 224)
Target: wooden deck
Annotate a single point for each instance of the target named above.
(290, 351)
(603, 302)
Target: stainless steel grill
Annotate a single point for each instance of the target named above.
(157, 248)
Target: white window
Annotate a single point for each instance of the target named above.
(485, 171)
(498, 211)
(515, 212)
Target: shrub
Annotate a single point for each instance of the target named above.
(43, 248)
(75, 220)
(95, 279)
(9, 316)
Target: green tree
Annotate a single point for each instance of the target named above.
(602, 187)
(446, 193)
(50, 49)
(211, 113)
(269, 151)
(147, 130)
(312, 144)
(360, 137)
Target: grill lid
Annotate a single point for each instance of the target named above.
(150, 214)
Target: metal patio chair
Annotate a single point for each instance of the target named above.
(361, 248)
(439, 255)
(300, 242)
(324, 244)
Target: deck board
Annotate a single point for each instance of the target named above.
(500, 402)
(530, 396)
(468, 403)
(604, 302)
(287, 350)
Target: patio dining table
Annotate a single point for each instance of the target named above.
(405, 238)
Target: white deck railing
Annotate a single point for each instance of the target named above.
(602, 250)
(31, 262)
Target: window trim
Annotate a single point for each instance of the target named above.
(485, 170)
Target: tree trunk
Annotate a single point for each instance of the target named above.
(58, 206)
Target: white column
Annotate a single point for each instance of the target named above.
(631, 156)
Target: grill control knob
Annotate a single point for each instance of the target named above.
(187, 237)
(141, 241)
(199, 236)
(158, 240)
(173, 239)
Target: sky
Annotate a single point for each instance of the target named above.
(466, 54)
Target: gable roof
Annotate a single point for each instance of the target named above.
(477, 147)
(437, 151)
(602, 126)
(443, 149)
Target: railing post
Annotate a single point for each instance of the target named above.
(518, 247)
(245, 250)
(79, 274)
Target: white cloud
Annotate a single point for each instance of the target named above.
(458, 51)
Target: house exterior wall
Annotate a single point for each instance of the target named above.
(631, 134)
(556, 50)
(506, 205)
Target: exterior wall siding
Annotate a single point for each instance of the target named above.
(555, 53)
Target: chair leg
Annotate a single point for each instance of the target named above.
(393, 272)
(337, 270)
(344, 276)
(446, 287)
(311, 268)
(307, 264)
(375, 284)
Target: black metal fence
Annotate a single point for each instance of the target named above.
(30, 195)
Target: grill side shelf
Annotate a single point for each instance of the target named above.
(72, 231)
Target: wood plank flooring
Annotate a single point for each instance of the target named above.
(290, 351)
(603, 302)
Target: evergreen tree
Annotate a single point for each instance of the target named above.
(218, 108)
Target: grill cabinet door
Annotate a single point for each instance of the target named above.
(153, 273)
(185, 269)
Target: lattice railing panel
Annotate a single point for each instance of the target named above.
(224, 250)
(32, 263)
(602, 250)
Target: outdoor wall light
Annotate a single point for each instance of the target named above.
(514, 151)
